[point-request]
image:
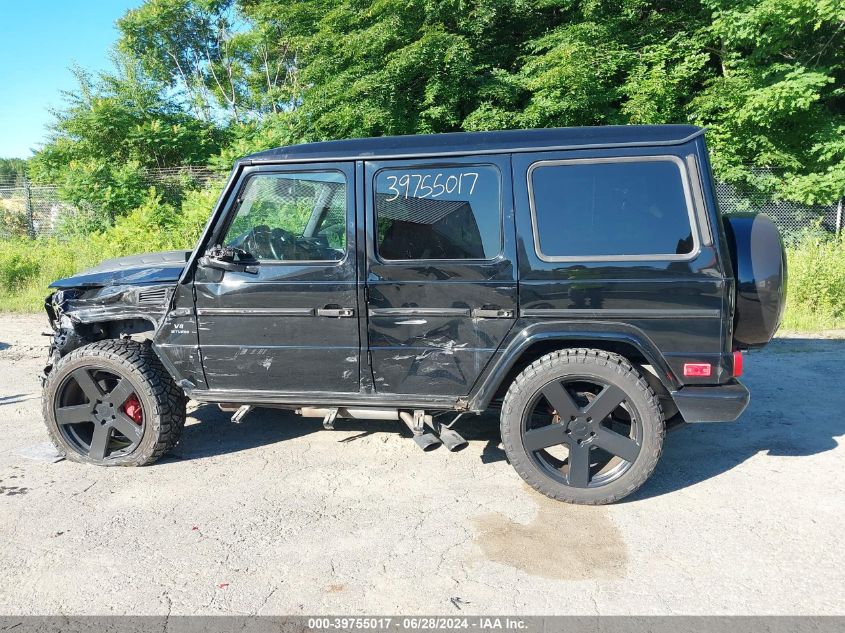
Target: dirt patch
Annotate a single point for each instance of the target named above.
(561, 541)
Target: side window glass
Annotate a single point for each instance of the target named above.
(292, 216)
(452, 212)
(611, 209)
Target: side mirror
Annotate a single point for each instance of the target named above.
(229, 259)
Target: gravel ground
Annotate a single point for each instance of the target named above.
(277, 516)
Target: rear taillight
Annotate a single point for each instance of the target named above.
(737, 363)
(697, 369)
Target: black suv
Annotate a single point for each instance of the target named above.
(581, 280)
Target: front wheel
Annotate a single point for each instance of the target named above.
(582, 426)
(112, 403)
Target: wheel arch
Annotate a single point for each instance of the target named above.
(536, 340)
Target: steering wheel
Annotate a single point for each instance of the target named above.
(258, 243)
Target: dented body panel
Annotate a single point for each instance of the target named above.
(433, 326)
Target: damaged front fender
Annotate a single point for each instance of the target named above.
(112, 303)
(83, 315)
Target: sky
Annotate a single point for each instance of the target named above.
(39, 40)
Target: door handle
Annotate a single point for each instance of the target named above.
(335, 312)
(492, 313)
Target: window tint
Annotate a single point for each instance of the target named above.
(439, 213)
(292, 216)
(611, 209)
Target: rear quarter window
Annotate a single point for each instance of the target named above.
(611, 209)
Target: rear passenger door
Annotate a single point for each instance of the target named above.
(441, 274)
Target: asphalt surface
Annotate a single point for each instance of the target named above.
(277, 516)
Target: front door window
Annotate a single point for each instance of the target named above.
(292, 216)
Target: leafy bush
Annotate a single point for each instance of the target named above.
(16, 267)
(27, 267)
(196, 210)
(816, 287)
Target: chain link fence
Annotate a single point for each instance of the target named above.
(35, 210)
(31, 210)
(790, 217)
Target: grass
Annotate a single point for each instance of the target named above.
(27, 268)
(816, 286)
(800, 319)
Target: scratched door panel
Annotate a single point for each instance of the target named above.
(434, 323)
(269, 336)
(292, 326)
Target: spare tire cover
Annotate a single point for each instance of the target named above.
(759, 263)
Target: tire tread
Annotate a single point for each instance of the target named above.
(522, 385)
(139, 359)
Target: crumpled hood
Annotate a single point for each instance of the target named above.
(148, 268)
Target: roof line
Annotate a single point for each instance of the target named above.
(514, 150)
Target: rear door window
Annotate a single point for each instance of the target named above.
(614, 208)
(446, 213)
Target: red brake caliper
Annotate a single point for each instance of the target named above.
(132, 408)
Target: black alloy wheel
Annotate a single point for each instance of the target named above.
(99, 413)
(582, 426)
(581, 432)
(112, 403)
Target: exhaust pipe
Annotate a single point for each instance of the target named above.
(452, 440)
(425, 440)
(351, 413)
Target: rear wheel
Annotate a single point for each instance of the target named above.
(582, 426)
(112, 403)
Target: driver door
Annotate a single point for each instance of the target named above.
(288, 322)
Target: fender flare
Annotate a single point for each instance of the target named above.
(565, 331)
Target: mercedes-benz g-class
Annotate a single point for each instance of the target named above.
(581, 280)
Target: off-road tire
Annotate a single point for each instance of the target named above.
(162, 401)
(606, 366)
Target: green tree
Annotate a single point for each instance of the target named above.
(12, 170)
(211, 57)
(394, 67)
(765, 76)
(113, 128)
(777, 98)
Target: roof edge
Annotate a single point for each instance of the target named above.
(272, 155)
